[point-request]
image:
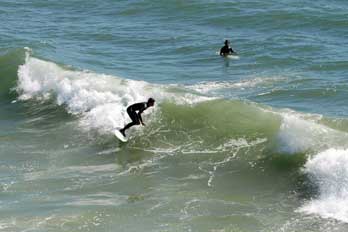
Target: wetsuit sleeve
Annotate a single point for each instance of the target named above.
(141, 111)
(140, 119)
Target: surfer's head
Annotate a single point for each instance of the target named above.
(150, 101)
(227, 42)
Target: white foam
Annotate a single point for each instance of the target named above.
(329, 170)
(206, 87)
(95, 97)
(240, 143)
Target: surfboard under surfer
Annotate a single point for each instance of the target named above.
(134, 111)
(226, 50)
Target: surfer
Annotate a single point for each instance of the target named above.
(134, 111)
(226, 50)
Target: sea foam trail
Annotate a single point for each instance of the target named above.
(329, 170)
(97, 98)
(211, 86)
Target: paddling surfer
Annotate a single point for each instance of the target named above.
(226, 50)
(134, 111)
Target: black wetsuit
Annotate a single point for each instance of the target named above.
(136, 117)
(226, 50)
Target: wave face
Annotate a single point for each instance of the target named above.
(99, 102)
(9, 62)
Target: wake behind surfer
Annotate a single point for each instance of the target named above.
(226, 50)
(134, 111)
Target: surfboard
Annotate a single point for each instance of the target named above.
(120, 136)
(117, 132)
(232, 56)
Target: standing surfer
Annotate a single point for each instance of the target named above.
(134, 111)
(226, 50)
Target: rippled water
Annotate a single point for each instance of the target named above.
(253, 142)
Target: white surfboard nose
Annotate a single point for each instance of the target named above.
(120, 136)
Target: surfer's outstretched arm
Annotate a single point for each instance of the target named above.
(140, 119)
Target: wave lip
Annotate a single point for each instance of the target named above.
(329, 170)
(95, 98)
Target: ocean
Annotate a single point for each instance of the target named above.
(252, 142)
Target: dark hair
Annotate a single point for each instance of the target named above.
(226, 41)
(151, 100)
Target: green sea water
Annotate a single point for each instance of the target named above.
(253, 142)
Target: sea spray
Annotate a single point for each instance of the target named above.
(329, 170)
